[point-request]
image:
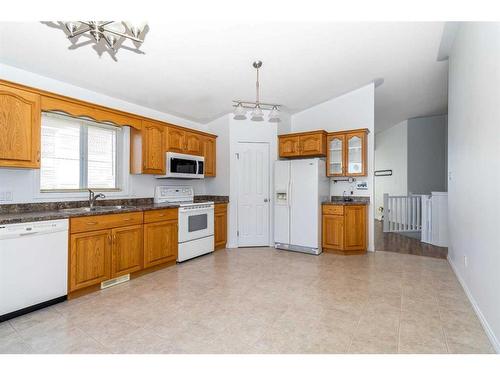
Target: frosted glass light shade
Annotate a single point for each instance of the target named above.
(274, 115)
(257, 114)
(117, 27)
(240, 112)
(136, 27)
(71, 26)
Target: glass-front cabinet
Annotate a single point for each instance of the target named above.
(336, 155)
(347, 153)
(354, 154)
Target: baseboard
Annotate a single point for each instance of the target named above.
(489, 332)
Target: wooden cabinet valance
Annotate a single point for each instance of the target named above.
(96, 113)
(20, 130)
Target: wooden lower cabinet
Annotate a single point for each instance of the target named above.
(104, 247)
(90, 259)
(220, 226)
(344, 229)
(160, 242)
(355, 224)
(126, 254)
(333, 232)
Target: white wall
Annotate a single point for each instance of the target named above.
(427, 154)
(353, 110)
(474, 165)
(23, 182)
(391, 153)
(219, 185)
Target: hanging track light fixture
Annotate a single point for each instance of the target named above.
(241, 106)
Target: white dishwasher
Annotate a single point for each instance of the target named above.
(33, 266)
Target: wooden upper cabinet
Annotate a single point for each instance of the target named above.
(194, 143)
(147, 148)
(302, 144)
(288, 146)
(313, 144)
(347, 153)
(90, 256)
(153, 147)
(176, 140)
(19, 128)
(209, 153)
(127, 254)
(336, 155)
(356, 153)
(184, 141)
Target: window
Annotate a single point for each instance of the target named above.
(78, 154)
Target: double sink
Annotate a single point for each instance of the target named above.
(94, 209)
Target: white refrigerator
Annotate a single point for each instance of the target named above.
(299, 188)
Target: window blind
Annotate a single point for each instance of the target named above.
(77, 154)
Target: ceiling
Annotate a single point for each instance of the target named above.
(195, 70)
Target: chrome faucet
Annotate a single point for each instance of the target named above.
(93, 197)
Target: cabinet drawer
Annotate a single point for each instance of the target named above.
(160, 215)
(333, 210)
(220, 207)
(97, 222)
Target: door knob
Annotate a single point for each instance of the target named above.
(266, 200)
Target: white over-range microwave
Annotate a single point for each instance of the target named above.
(184, 166)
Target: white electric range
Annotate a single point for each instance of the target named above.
(196, 220)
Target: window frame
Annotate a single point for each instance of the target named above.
(121, 168)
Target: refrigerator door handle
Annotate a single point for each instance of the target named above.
(289, 193)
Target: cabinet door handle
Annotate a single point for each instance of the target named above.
(91, 222)
(127, 219)
(38, 156)
(161, 215)
(114, 238)
(109, 238)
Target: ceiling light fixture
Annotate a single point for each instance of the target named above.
(257, 106)
(111, 31)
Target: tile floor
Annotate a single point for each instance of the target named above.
(265, 301)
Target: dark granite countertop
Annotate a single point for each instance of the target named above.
(212, 198)
(29, 212)
(23, 213)
(339, 200)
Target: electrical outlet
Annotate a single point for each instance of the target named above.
(6, 196)
(465, 260)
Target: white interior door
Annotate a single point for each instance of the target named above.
(253, 194)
